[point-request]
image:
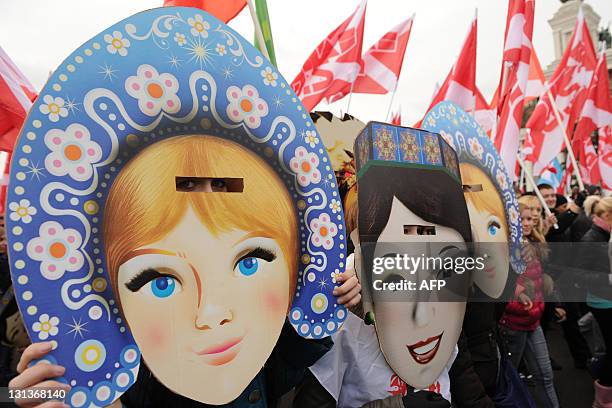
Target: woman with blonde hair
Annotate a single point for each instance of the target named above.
(595, 259)
(584, 220)
(540, 225)
(520, 325)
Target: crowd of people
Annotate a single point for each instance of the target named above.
(491, 331)
(571, 254)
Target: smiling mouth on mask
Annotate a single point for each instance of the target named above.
(425, 351)
(221, 353)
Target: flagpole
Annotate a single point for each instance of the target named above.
(348, 105)
(258, 32)
(535, 188)
(522, 179)
(570, 151)
(391, 101)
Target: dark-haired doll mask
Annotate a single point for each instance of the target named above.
(411, 204)
(417, 336)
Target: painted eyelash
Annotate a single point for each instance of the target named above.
(259, 252)
(143, 278)
(495, 224)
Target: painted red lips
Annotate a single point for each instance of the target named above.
(221, 353)
(220, 348)
(424, 351)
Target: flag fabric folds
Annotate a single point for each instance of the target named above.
(553, 175)
(16, 96)
(485, 115)
(536, 81)
(460, 84)
(596, 115)
(605, 157)
(396, 118)
(514, 79)
(224, 10)
(382, 63)
(333, 66)
(568, 86)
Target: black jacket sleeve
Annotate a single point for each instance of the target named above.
(564, 221)
(466, 389)
(289, 362)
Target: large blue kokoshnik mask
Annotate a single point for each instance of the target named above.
(162, 73)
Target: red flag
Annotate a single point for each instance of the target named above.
(382, 63)
(333, 66)
(517, 47)
(568, 85)
(495, 100)
(396, 119)
(16, 95)
(525, 150)
(513, 81)
(224, 10)
(605, 157)
(536, 81)
(485, 115)
(566, 177)
(596, 115)
(460, 84)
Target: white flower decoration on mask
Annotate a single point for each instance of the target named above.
(72, 152)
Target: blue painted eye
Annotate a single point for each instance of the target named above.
(248, 266)
(493, 227)
(163, 286)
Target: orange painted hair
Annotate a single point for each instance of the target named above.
(143, 205)
(486, 200)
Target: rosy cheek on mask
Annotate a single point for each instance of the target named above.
(156, 337)
(273, 302)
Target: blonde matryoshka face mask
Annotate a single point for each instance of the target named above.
(206, 299)
(489, 230)
(492, 204)
(202, 306)
(95, 200)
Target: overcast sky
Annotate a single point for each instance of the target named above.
(39, 34)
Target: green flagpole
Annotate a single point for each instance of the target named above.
(264, 21)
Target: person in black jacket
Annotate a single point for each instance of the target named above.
(595, 258)
(566, 214)
(583, 222)
(564, 220)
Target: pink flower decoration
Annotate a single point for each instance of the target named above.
(323, 231)
(72, 152)
(155, 92)
(57, 249)
(304, 165)
(246, 106)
